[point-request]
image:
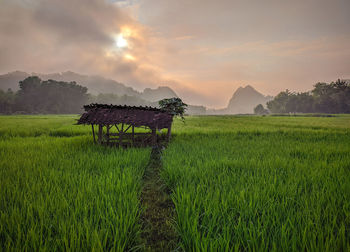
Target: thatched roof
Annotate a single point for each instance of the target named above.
(114, 114)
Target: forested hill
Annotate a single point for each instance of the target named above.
(331, 98)
(95, 84)
(45, 97)
(35, 95)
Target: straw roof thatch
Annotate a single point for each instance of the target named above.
(105, 114)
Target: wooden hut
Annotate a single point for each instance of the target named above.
(116, 124)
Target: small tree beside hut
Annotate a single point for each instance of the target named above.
(174, 106)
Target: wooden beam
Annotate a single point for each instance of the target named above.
(127, 128)
(130, 134)
(107, 134)
(133, 135)
(116, 125)
(121, 136)
(100, 129)
(93, 132)
(169, 133)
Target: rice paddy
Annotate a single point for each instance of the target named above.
(237, 183)
(261, 184)
(60, 192)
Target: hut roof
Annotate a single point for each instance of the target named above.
(114, 114)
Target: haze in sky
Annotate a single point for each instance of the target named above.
(204, 50)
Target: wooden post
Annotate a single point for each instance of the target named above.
(93, 132)
(107, 134)
(100, 129)
(169, 132)
(121, 136)
(154, 137)
(133, 135)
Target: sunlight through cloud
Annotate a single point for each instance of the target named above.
(121, 41)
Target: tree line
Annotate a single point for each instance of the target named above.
(333, 98)
(45, 97)
(57, 97)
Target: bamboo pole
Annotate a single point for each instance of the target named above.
(93, 132)
(121, 136)
(127, 128)
(100, 129)
(169, 133)
(116, 125)
(133, 135)
(107, 134)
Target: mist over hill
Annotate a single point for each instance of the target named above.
(157, 94)
(101, 90)
(243, 101)
(105, 90)
(95, 84)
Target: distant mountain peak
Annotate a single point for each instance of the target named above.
(158, 93)
(249, 87)
(244, 100)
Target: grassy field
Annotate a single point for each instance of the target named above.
(238, 183)
(261, 183)
(60, 192)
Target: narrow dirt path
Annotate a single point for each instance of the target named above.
(158, 215)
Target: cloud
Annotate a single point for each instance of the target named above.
(76, 35)
(202, 49)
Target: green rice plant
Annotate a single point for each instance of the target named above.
(39, 125)
(238, 183)
(261, 183)
(61, 192)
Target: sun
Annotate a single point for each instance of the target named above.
(121, 42)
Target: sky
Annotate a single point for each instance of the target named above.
(204, 50)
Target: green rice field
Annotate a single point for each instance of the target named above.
(238, 183)
(60, 192)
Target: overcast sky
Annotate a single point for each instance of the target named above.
(204, 50)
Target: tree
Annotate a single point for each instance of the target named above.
(174, 106)
(333, 97)
(324, 98)
(7, 101)
(36, 96)
(260, 110)
(279, 103)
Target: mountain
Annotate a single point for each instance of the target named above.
(157, 94)
(11, 80)
(244, 100)
(95, 84)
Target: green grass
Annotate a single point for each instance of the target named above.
(237, 182)
(261, 183)
(60, 192)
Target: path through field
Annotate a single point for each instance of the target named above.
(158, 215)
